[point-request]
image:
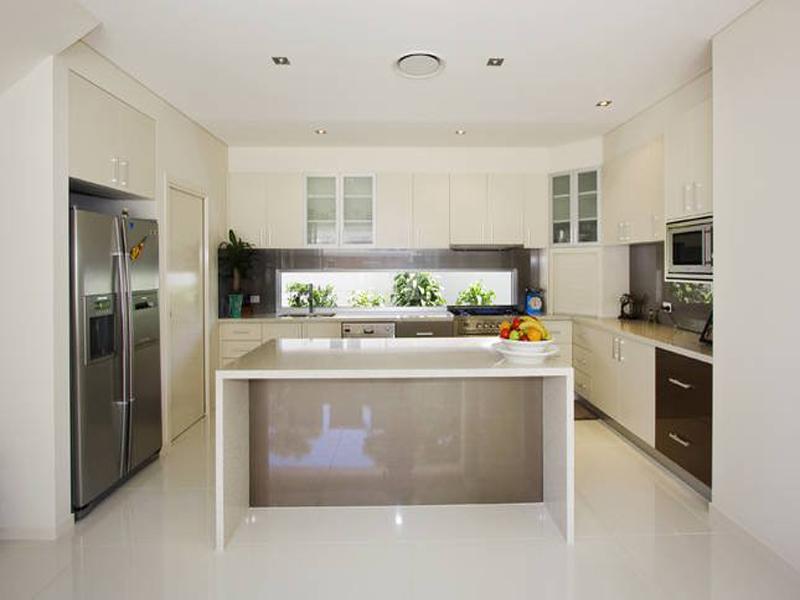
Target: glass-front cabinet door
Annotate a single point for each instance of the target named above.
(575, 207)
(321, 210)
(588, 191)
(358, 210)
(340, 210)
(561, 186)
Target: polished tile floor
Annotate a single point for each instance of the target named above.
(641, 535)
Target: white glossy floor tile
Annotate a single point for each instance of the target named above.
(641, 534)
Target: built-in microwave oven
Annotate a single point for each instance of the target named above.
(689, 251)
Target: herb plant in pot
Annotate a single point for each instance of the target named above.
(235, 260)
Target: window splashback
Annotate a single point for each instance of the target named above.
(263, 278)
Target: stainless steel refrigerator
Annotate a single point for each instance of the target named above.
(115, 352)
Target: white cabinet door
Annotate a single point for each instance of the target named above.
(604, 371)
(135, 143)
(323, 330)
(637, 385)
(633, 195)
(247, 206)
(687, 163)
(468, 209)
(92, 119)
(535, 215)
(431, 211)
(394, 210)
(322, 210)
(358, 210)
(575, 282)
(506, 204)
(284, 210)
(702, 138)
(278, 331)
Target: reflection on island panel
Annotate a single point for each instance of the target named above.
(383, 442)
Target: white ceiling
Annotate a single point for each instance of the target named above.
(211, 59)
(35, 29)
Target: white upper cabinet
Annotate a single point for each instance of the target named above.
(487, 209)
(394, 209)
(266, 209)
(575, 207)
(431, 211)
(687, 163)
(284, 203)
(633, 195)
(110, 143)
(507, 199)
(536, 227)
(247, 206)
(322, 210)
(358, 210)
(340, 210)
(468, 209)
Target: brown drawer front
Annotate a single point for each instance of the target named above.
(688, 443)
(405, 329)
(683, 386)
(683, 412)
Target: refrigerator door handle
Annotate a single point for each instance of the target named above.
(127, 339)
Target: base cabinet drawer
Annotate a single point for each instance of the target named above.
(583, 385)
(406, 329)
(684, 412)
(277, 331)
(560, 331)
(581, 358)
(322, 330)
(230, 350)
(240, 331)
(688, 443)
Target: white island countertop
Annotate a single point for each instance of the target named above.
(394, 358)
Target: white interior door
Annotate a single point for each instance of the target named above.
(185, 285)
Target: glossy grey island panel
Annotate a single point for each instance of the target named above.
(376, 442)
(353, 422)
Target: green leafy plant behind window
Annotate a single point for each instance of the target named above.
(417, 289)
(366, 299)
(476, 295)
(692, 293)
(324, 296)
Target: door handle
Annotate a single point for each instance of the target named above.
(114, 169)
(123, 164)
(678, 439)
(680, 384)
(620, 355)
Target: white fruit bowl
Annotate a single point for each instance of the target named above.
(525, 357)
(526, 347)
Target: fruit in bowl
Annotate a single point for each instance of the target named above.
(524, 329)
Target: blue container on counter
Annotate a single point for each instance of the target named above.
(534, 302)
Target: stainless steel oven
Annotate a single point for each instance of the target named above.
(689, 252)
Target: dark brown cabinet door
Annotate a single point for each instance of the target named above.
(683, 412)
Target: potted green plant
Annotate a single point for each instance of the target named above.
(476, 294)
(417, 289)
(235, 260)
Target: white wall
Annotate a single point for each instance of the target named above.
(388, 160)
(385, 159)
(651, 123)
(757, 211)
(33, 412)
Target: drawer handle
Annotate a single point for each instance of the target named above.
(424, 334)
(680, 384)
(679, 440)
(240, 332)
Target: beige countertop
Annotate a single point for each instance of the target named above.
(364, 316)
(661, 336)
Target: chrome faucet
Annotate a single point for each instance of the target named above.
(310, 298)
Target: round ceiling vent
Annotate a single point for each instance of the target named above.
(419, 65)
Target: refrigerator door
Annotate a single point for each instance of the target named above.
(142, 247)
(97, 390)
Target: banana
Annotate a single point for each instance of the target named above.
(536, 324)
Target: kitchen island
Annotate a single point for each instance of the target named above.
(433, 421)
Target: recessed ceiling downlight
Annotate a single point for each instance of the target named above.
(419, 65)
